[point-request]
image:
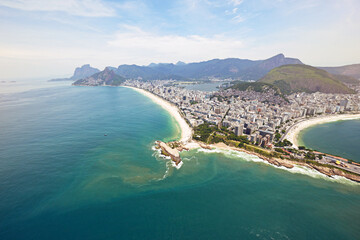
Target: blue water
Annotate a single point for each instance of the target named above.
(62, 178)
(341, 138)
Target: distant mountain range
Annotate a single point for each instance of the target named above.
(234, 68)
(286, 74)
(303, 78)
(348, 70)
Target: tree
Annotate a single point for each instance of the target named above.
(277, 136)
(310, 155)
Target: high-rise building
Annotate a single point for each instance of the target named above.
(239, 130)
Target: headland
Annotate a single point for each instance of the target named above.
(186, 142)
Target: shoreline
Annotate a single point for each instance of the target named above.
(187, 143)
(185, 129)
(293, 134)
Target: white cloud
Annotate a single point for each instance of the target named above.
(139, 44)
(86, 8)
(235, 2)
(238, 19)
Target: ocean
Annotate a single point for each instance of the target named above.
(80, 163)
(340, 138)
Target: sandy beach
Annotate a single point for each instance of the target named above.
(186, 130)
(292, 134)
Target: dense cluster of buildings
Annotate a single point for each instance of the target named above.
(257, 115)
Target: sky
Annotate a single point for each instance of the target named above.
(50, 38)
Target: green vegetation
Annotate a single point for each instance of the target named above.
(280, 150)
(310, 155)
(243, 139)
(303, 78)
(277, 136)
(116, 81)
(211, 134)
(255, 86)
(263, 152)
(107, 77)
(283, 143)
(215, 138)
(203, 131)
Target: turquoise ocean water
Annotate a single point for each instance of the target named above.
(79, 163)
(341, 138)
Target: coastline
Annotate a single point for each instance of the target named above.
(187, 143)
(186, 130)
(293, 134)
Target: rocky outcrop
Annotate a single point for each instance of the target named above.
(84, 72)
(278, 162)
(274, 161)
(168, 151)
(330, 172)
(182, 148)
(205, 146)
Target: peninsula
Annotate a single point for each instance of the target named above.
(217, 136)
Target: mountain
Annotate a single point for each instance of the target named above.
(106, 77)
(263, 67)
(84, 72)
(347, 70)
(303, 78)
(80, 73)
(146, 73)
(346, 79)
(256, 86)
(234, 68)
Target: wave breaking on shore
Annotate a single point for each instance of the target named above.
(296, 169)
(186, 136)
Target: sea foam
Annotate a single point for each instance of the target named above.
(296, 169)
